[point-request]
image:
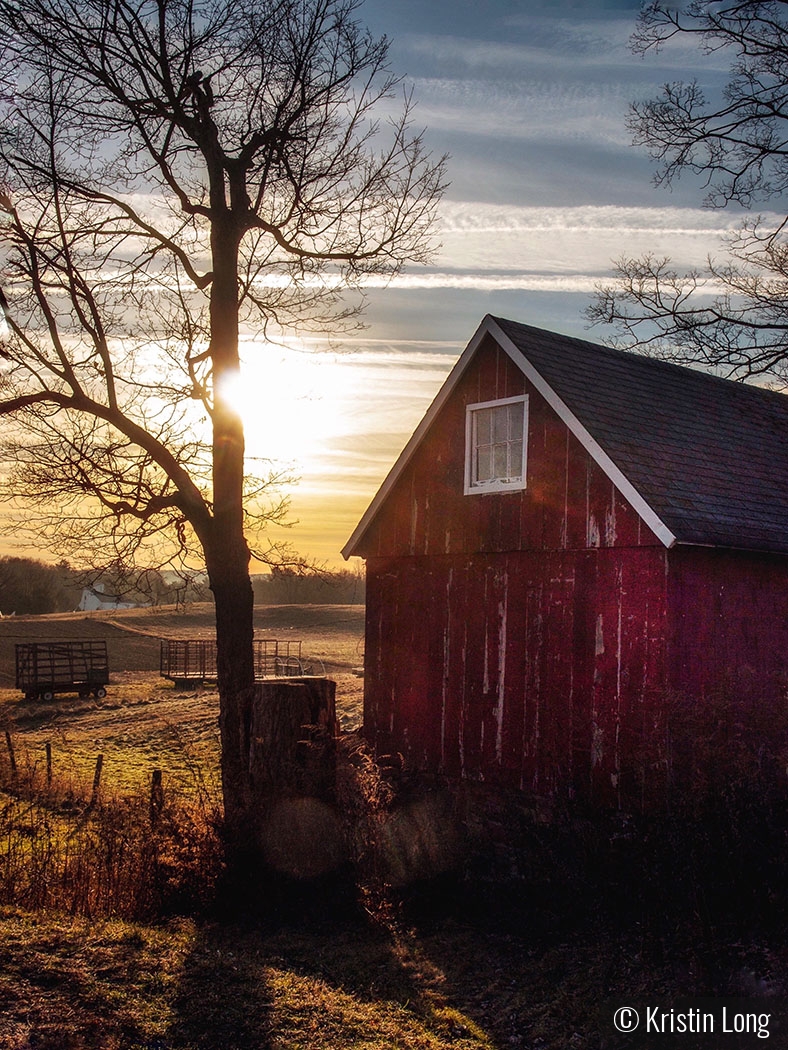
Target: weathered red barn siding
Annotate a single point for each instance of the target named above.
(727, 620)
(536, 670)
(517, 638)
(569, 502)
(536, 638)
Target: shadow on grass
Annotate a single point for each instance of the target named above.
(332, 985)
(327, 977)
(74, 985)
(314, 973)
(340, 984)
(223, 999)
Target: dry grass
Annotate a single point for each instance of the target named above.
(63, 845)
(145, 722)
(333, 633)
(70, 845)
(329, 985)
(142, 724)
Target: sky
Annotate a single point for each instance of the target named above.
(529, 99)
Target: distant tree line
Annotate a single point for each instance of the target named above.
(285, 586)
(32, 587)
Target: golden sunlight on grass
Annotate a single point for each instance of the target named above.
(145, 722)
(188, 986)
(313, 984)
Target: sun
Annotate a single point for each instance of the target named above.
(285, 397)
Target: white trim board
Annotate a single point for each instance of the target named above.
(594, 449)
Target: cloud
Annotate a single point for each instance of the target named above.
(495, 282)
(526, 109)
(526, 282)
(480, 217)
(500, 60)
(488, 247)
(566, 249)
(522, 43)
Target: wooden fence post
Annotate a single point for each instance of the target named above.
(97, 780)
(156, 796)
(12, 757)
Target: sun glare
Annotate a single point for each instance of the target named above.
(285, 397)
(334, 418)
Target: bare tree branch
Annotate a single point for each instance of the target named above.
(733, 316)
(171, 171)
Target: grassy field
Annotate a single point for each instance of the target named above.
(337, 983)
(333, 633)
(315, 971)
(145, 722)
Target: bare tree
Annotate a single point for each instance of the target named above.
(178, 172)
(734, 314)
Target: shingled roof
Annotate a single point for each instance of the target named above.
(707, 457)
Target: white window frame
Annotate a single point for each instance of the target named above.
(473, 487)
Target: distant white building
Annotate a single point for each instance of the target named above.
(95, 598)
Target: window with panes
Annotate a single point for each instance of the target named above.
(495, 445)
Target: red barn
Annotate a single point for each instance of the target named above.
(572, 535)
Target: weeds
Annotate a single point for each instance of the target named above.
(365, 798)
(68, 846)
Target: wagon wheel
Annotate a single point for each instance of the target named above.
(47, 695)
(100, 693)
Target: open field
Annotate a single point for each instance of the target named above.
(332, 632)
(145, 722)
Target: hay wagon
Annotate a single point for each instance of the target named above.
(186, 660)
(46, 668)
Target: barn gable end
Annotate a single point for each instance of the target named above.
(570, 500)
(530, 637)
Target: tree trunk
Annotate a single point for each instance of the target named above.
(228, 571)
(293, 738)
(226, 550)
(292, 760)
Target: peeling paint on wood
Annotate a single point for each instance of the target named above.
(506, 696)
(529, 639)
(569, 503)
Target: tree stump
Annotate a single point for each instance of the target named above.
(292, 766)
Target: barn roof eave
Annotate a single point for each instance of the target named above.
(490, 327)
